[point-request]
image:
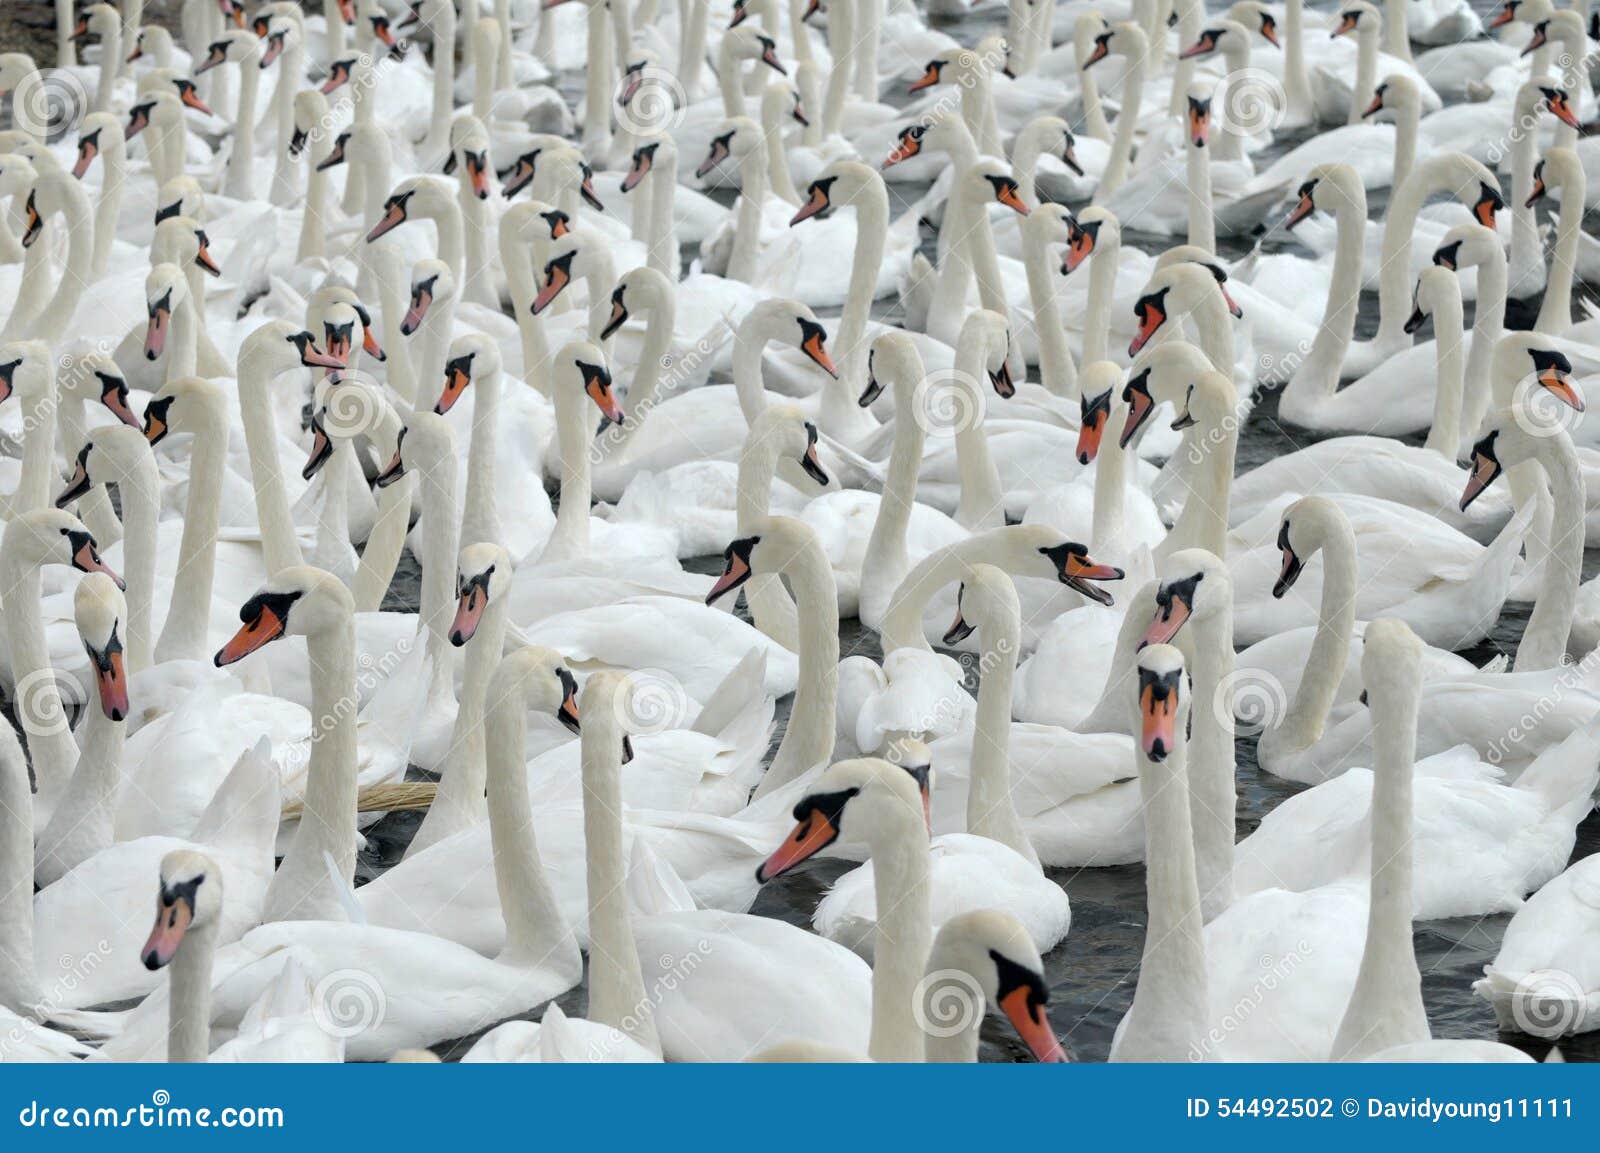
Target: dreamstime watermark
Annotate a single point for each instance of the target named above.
(1570, 680)
(1548, 1003)
(75, 971)
(1275, 971)
(348, 1002)
(674, 971)
(1249, 101)
(947, 1003)
(1253, 699)
(651, 701)
(49, 105)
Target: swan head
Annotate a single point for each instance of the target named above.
(578, 252)
(986, 335)
(990, 179)
(416, 196)
(165, 290)
(1555, 99)
(424, 442)
(782, 430)
(471, 357)
(182, 241)
(1391, 671)
(1254, 14)
(986, 599)
(642, 288)
(51, 536)
(347, 325)
(1205, 259)
(1125, 38)
(1560, 167)
(994, 949)
(94, 376)
(299, 601)
(27, 370)
(188, 404)
(100, 612)
(641, 66)
(1194, 585)
(15, 68)
(279, 346)
(1485, 466)
(189, 95)
(1437, 288)
(1308, 525)
(776, 544)
(181, 196)
(1072, 566)
(188, 896)
(1527, 368)
(864, 801)
(99, 21)
(644, 159)
(738, 138)
(1085, 233)
(1163, 701)
(1229, 36)
(431, 282)
(580, 367)
(1564, 24)
(892, 357)
(236, 46)
(839, 184)
(786, 321)
(1467, 246)
(750, 42)
(1097, 387)
(1398, 94)
(469, 155)
(483, 574)
(537, 679)
(111, 454)
(1199, 105)
(1360, 18)
(98, 132)
(1507, 12)
(1331, 187)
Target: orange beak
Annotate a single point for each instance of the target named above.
(1158, 728)
(112, 683)
(908, 147)
(1166, 623)
(1560, 385)
(818, 203)
(927, 80)
(266, 627)
(1302, 210)
(817, 351)
(1374, 108)
(87, 151)
(1484, 470)
(1089, 434)
(155, 336)
(1028, 1019)
(469, 614)
(478, 177)
(554, 283)
(1558, 104)
(810, 836)
(172, 921)
(1079, 249)
(734, 575)
(1007, 194)
(1151, 318)
(455, 383)
(187, 96)
(393, 218)
(604, 399)
(86, 559)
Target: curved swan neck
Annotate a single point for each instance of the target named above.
(1213, 793)
(839, 415)
(569, 540)
(1544, 640)
(480, 517)
(1116, 170)
(1057, 372)
(771, 608)
(1330, 647)
(278, 541)
(536, 932)
(1445, 434)
(1202, 221)
(1102, 285)
(1555, 311)
(183, 637)
(808, 740)
(1318, 377)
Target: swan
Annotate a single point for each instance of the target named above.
(870, 800)
(1523, 842)
(1128, 40)
(993, 862)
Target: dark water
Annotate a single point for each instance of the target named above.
(1093, 973)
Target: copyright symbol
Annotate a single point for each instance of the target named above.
(1349, 1107)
